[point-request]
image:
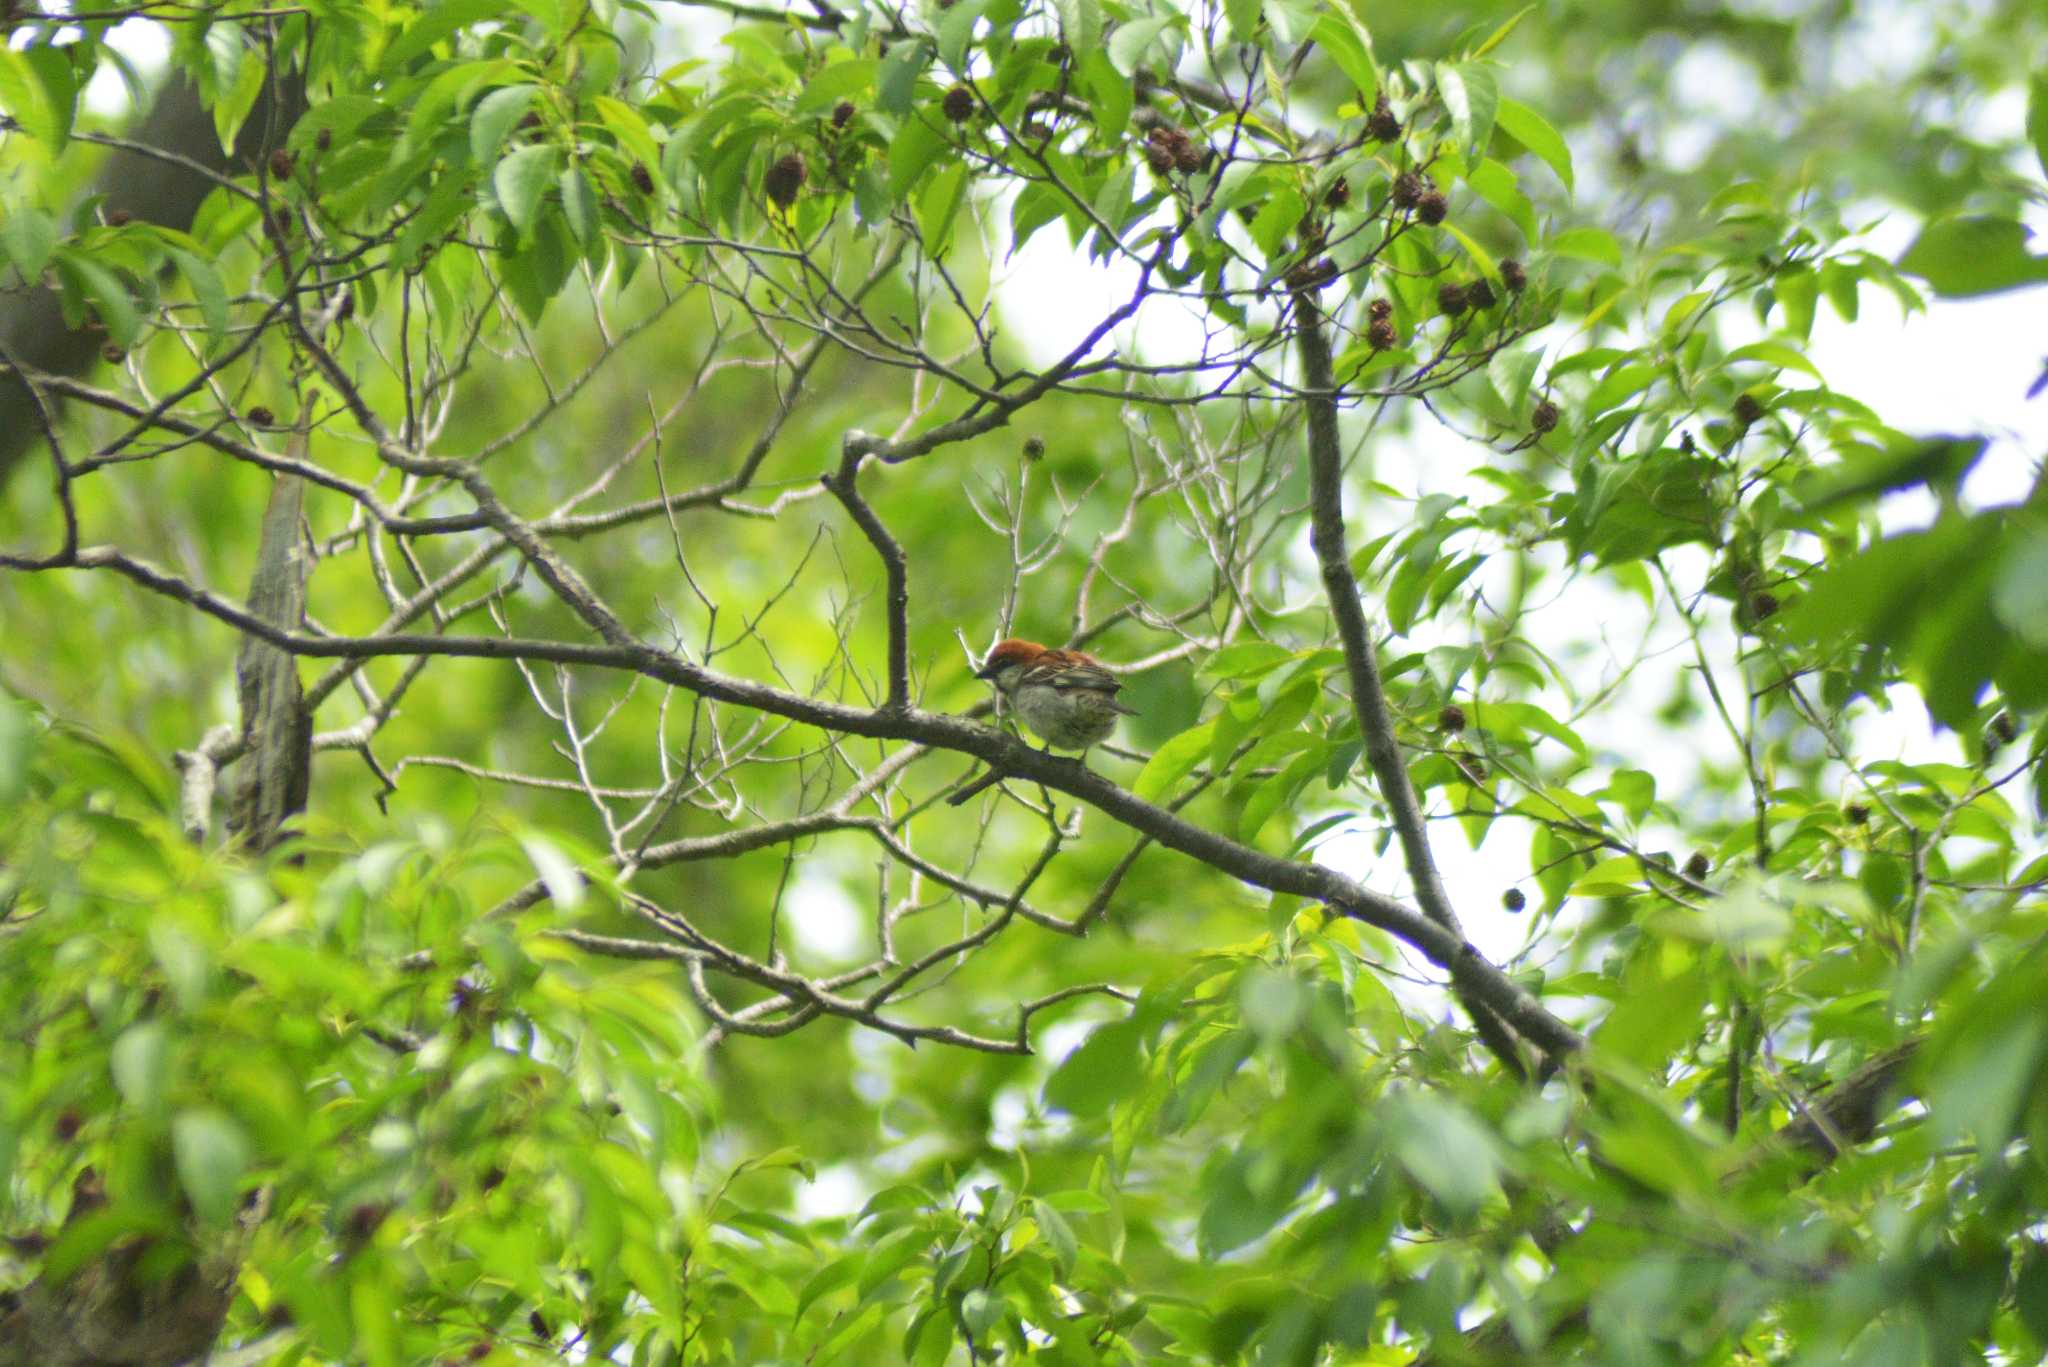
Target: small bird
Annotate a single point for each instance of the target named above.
(1067, 698)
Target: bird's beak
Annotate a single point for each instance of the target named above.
(985, 672)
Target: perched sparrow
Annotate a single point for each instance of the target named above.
(1065, 697)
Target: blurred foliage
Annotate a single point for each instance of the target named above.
(1646, 613)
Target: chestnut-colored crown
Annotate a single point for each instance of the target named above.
(1003, 654)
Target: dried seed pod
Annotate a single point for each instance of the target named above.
(958, 104)
(1450, 299)
(1433, 208)
(1513, 899)
(1513, 275)
(1379, 335)
(1380, 308)
(261, 416)
(1451, 718)
(1747, 409)
(1034, 448)
(643, 179)
(1543, 417)
(323, 140)
(1159, 157)
(1479, 294)
(112, 354)
(282, 164)
(842, 113)
(1698, 867)
(1762, 605)
(1189, 157)
(784, 179)
(119, 218)
(1858, 814)
(1408, 190)
(1339, 193)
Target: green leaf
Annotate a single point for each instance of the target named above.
(211, 1153)
(557, 873)
(29, 237)
(896, 86)
(839, 81)
(1587, 244)
(1534, 132)
(1969, 255)
(1244, 19)
(521, 180)
(1620, 876)
(2037, 119)
(1081, 24)
(1473, 97)
(1104, 1068)
(1496, 184)
(1171, 762)
(208, 291)
(1446, 1150)
(439, 23)
(140, 1062)
(1664, 990)
(1129, 44)
(494, 117)
(24, 96)
(106, 291)
(51, 64)
(1347, 48)
(579, 207)
(1776, 354)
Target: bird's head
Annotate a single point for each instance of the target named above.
(1009, 655)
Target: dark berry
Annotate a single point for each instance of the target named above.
(842, 113)
(1763, 605)
(1513, 276)
(323, 140)
(69, 1123)
(1858, 814)
(493, 1178)
(1513, 899)
(1747, 409)
(1380, 335)
(119, 218)
(1433, 208)
(281, 164)
(529, 123)
(1339, 193)
(785, 177)
(2004, 728)
(112, 354)
(1543, 417)
(1698, 867)
(1034, 448)
(479, 1351)
(262, 417)
(538, 1323)
(1452, 718)
(1380, 308)
(1450, 299)
(643, 179)
(1382, 126)
(1312, 275)
(958, 104)
(364, 1219)
(1190, 156)
(1159, 157)
(1479, 294)
(1408, 190)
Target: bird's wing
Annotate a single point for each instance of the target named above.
(1072, 675)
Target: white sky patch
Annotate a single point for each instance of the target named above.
(836, 1192)
(826, 922)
